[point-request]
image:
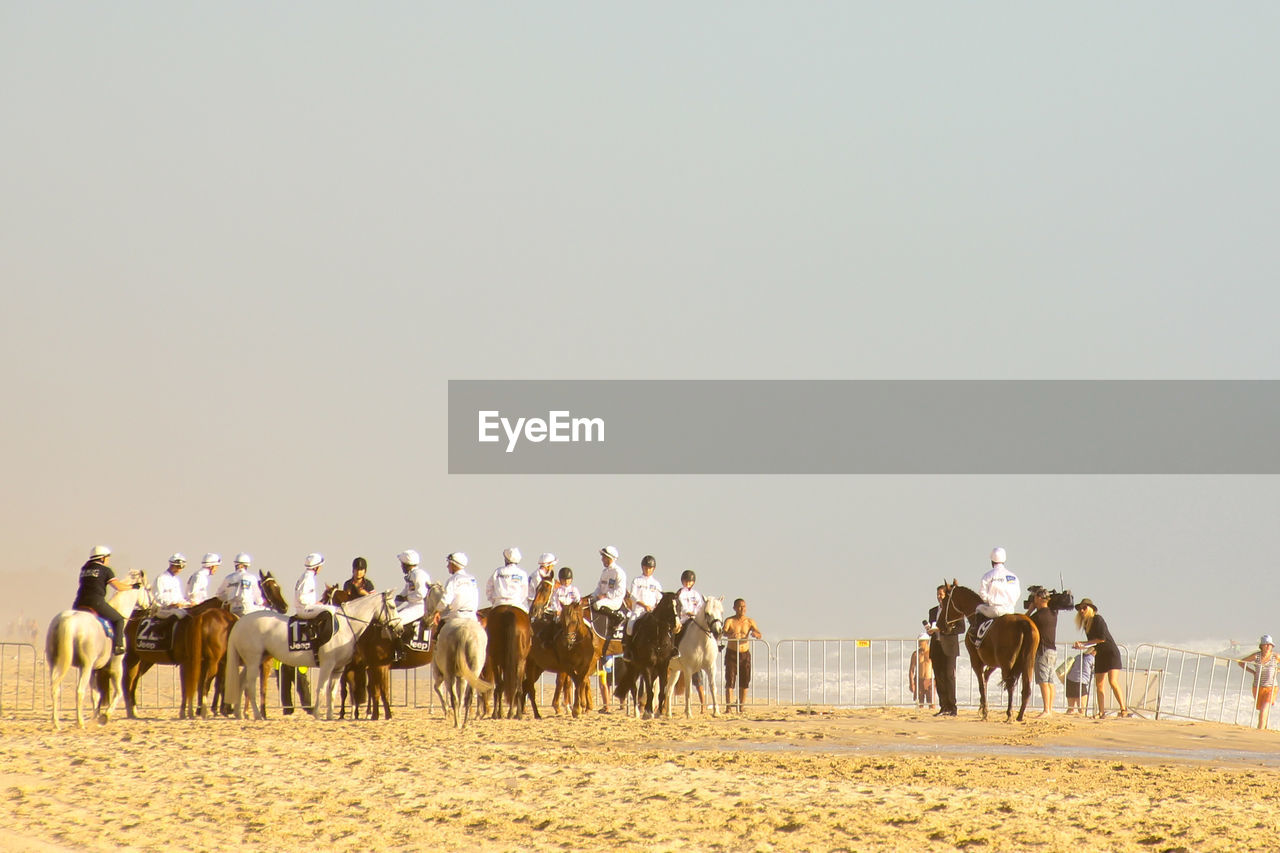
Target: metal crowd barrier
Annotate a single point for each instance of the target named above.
(1195, 686)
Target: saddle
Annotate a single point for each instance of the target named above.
(155, 634)
(102, 620)
(307, 635)
(607, 625)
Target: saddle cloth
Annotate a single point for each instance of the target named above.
(417, 635)
(306, 635)
(979, 631)
(106, 626)
(155, 634)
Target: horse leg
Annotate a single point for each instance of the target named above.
(82, 687)
(983, 674)
(114, 689)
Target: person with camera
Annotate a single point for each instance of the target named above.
(1042, 606)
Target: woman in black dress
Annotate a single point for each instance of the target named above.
(1107, 665)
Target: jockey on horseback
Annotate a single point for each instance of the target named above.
(95, 577)
(646, 591)
(306, 592)
(999, 590)
(611, 591)
(565, 592)
(509, 584)
(198, 586)
(461, 593)
(411, 603)
(690, 601)
(240, 590)
(168, 589)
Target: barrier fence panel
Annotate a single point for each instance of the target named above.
(843, 673)
(1199, 686)
(20, 680)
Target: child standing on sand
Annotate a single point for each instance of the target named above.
(1264, 677)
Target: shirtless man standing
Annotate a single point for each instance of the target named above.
(739, 629)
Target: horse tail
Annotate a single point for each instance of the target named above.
(462, 666)
(59, 646)
(1023, 660)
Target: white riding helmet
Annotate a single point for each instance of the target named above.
(997, 555)
(211, 560)
(99, 551)
(459, 559)
(547, 559)
(178, 559)
(1266, 641)
(609, 551)
(512, 554)
(314, 561)
(409, 558)
(243, 559)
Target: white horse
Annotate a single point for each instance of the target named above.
(698, 647)
(266, 633)
(460, 647)
(456, 665)
(77, 638)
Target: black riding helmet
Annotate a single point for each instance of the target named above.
(566, 573)
(688, 575)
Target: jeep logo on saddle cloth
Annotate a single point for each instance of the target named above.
(155, 634)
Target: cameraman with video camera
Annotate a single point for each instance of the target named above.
(1042, 606)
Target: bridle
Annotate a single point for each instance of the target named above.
(383, 617)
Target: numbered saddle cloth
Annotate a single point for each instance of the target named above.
(979, 631)
(155, 634)
(307, 635)
(417, 635)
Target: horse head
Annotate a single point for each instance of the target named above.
(272, 593)
(541, 598)
(330, 590)
(667, 612)
(433, 603)
(957, 601)
(713, 615)
(389, 615)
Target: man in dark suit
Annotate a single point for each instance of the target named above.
(944, 648)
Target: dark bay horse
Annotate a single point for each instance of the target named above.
(567, 648)
(368, 676)
(510, 638)
(651, 649)
(198, 649)
(1010, 644)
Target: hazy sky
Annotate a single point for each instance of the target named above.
(244, 247)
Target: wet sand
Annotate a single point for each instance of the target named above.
(772, 778)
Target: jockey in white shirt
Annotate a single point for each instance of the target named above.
(689, 599)
(306, 592)
(646, 591)
(509, 584)
(565, 592)
(412, 600)
(198, 586)
(461, 592)
(240, 589)
(999, 588)
(611, 591)
(168, 587)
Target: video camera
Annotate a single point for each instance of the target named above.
(1057, 600)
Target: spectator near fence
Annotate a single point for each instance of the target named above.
(1077, 678)
(920, 673)
(1264, 677)
(739, 630)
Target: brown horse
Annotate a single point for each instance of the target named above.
(1010, 644)
(652, 648)
(510, 638)
(568, 648)
(198, 649)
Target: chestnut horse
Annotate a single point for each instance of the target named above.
(1009, 644)
(370, 669)
(567, 648)
(510, 638)
(199, 647)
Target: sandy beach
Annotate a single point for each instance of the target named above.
(772, 778)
